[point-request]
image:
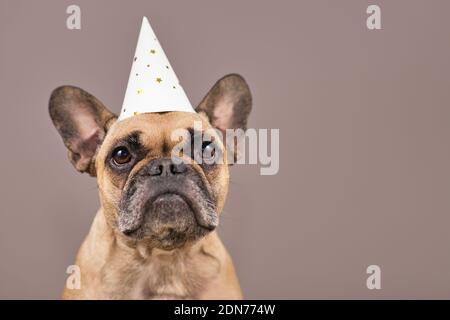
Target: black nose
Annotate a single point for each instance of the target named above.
(165, 167)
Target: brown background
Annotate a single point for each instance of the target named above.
(364, 119)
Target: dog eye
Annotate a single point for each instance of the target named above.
(121, 155)
(208, 150)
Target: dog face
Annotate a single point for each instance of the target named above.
(148, 193)
(154, 197)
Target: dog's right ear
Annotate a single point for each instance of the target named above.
(82, 121)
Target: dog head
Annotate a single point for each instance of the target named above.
(147, 193)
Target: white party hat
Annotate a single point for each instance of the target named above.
(153, 85)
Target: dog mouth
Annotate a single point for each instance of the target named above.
(171, 218)
(168, 207)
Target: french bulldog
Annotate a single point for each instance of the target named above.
(154, 236)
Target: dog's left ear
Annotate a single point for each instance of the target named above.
(227, 106)
(82, 121)
(228, 103)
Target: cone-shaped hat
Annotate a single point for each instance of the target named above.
(153, 85)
